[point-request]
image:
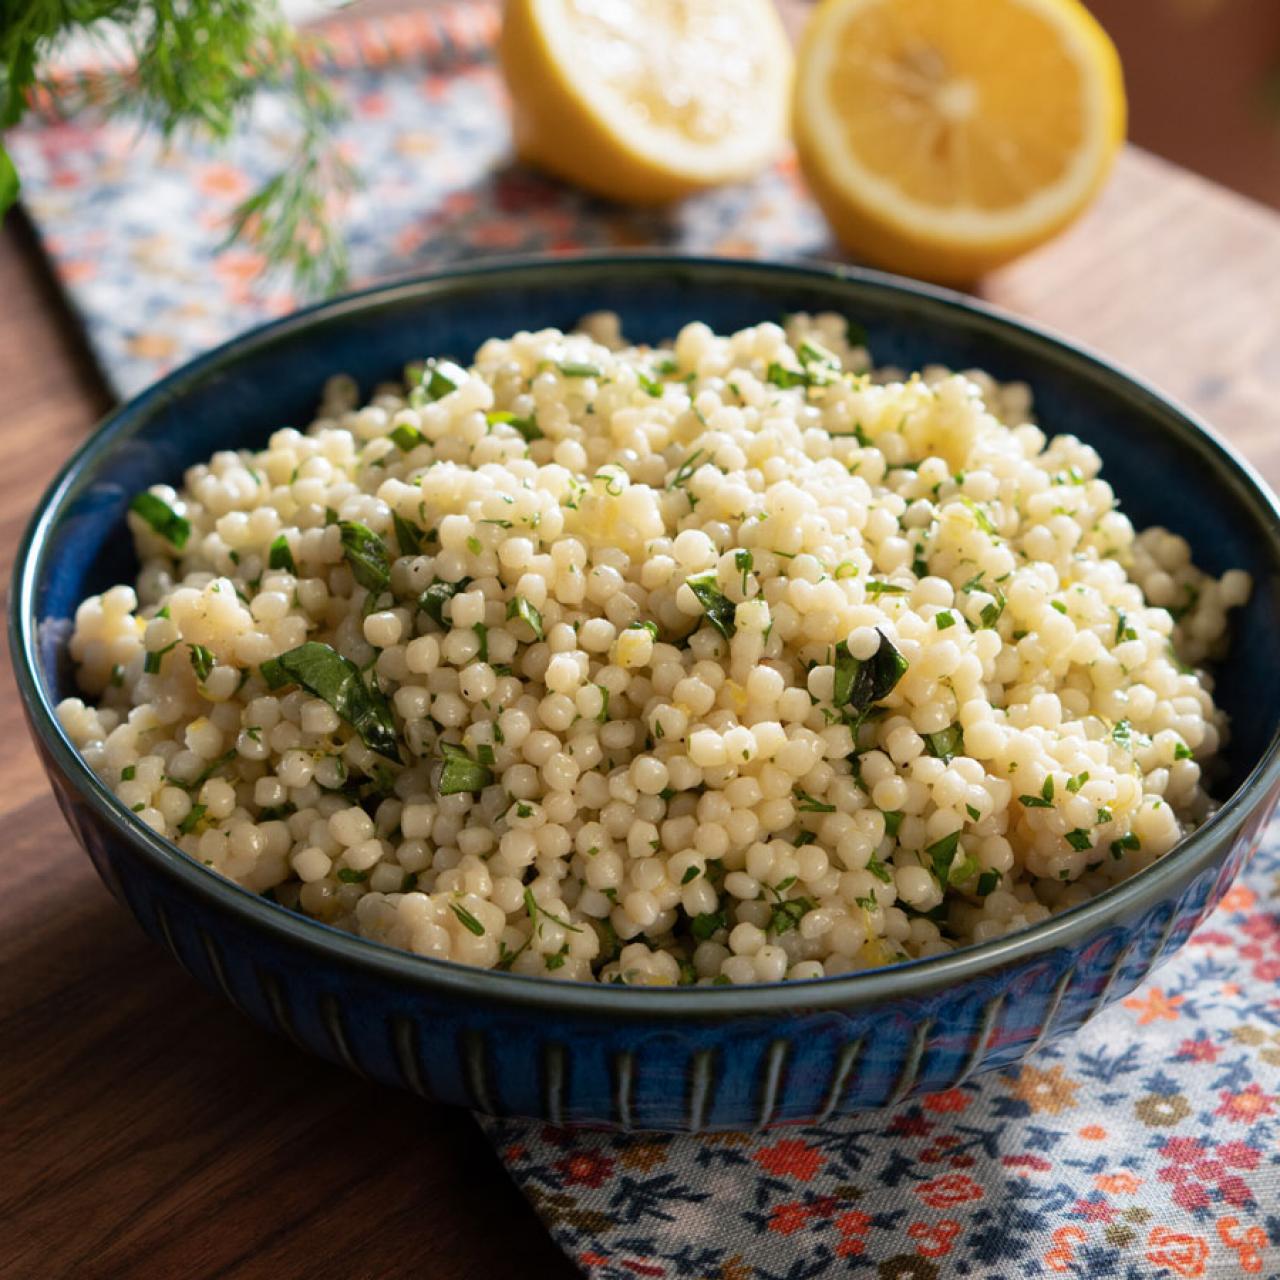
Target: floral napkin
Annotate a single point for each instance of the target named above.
(1147, 1145)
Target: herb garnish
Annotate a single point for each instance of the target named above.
(162, 518)
(433, 600)
(461, 772)
(202, 661)
(519, 607)
(719, 608)
(946, 744)
(323, 671)
(527, 427)
(468, 921)
(860, 684)
(367, 556)
(280, 556)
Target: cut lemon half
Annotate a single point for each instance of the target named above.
(945, 137)
(647, 100)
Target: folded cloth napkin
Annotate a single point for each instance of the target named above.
(1148, 1145)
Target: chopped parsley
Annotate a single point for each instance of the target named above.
(162, 518)
(718, 607)
(280, 556)
(461, 772)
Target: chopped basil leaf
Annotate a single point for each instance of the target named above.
(787, 915)
(944, 619)
(946, 744)
(128, 773)
(440, 377)
(879, 870)
(367, 555)
(323, 671)
(860, 685)
(1128, 842)
(519, 607)
(942, 853)
(407, 438)
(1079, 839)
(987, 881)
(1074, 784)
(719, 608)
(469, 922)
(527, 427)
(280, 556)
(690, 875)
(408, 536)
(892, 822)
(1044, 800)
(461, 772)
(975, 815)
(704, 925)
(162, 518)
(433, 600)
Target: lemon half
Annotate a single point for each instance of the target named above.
(945, 137)
(647, 100)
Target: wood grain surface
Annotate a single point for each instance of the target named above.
(147, 1131)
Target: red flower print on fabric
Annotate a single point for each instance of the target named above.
(790, 1157)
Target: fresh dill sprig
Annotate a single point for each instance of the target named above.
(197, 65)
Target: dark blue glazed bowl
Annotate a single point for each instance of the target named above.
(695, 1058)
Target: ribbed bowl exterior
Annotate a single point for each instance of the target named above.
(681, 1059)
(736, 1072)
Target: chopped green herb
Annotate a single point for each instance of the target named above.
(461, 772)
(192, 820)
(812, 352)
(650, 386)
(575, 369)
(280, 556)
(604, 704)
(806, 803)
(983, 520)
(162, 518)
(787, 915)
(990, 614)
(482, 634)
(475, 546)
(879, 870)
(945, 619)
(408, 536)
(527, 427)
(519, 607)
(719, 608)
(128, 773)
(1057, 604)
(323, 671)
(964, 870)
(975, 815)
(886, 589)
(533, 909)
(349, 875)
(1125, 843)
(892, 822)
(467, 920)
(1183, 752)
(744, 562)
(433, 600)
(366, 555)
(155, 657)
(440, 377)
(858, 684)
(407, 438)
(685, 470)
(987, 881)
(709, 922)
(1079, 839)
(202, 661)
(1104, 816)
(1074, 784)
(1044, 800)
(942, 853)
(1123, 734)
(1123, 630)
(946, 744)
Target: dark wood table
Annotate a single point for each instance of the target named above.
(148, 1131)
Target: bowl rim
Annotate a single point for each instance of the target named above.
(843, 992)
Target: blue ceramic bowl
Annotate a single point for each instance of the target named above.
(694, 1058)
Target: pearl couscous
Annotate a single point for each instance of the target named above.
(723, 662)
